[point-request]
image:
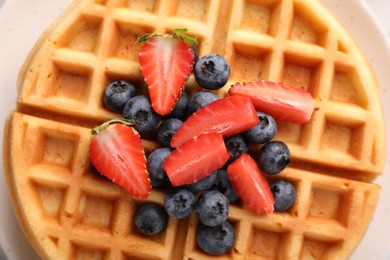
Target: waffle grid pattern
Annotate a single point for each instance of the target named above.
(86, 216)
(77, 205)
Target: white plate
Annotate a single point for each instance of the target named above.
(21, 23)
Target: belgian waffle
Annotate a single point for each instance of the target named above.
(68, 211)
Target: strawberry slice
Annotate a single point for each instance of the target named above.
(283, 102)
(196, 159)
(251, 185)
(227, 116)
(116, 151)
(166, 62)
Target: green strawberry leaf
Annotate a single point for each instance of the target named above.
(145, 37)
(180, 33)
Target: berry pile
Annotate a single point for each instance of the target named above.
(204, 161)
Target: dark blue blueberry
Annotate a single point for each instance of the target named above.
(180, 202)
(139, 109)
(212, 71)
(201, 99)
(196, 56)
(117, 94)
(167, 129)
(158, 176)
(273, 157)
(284, 194)
(150, 219)
(215, 240)
(263, 131)
(180, 111)
(236, 145)
(203, 184)
(223, 185)
(212, 208)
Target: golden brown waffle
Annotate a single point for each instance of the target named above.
(69, 211)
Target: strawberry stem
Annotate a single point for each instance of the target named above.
(98, 129)
(178, 33)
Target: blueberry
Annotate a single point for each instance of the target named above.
(263, 131)
(212, 71)
(273, 157)
(180, 202)
(200, 100)
(139, 109)
(203, 184)
(167, 129)
(212, 208)
(284, 194)
(195, 52)
(236, 145)
(150, 219)
(180, 111)
(158, 176)
(215, 240)
(223, 185)
(117, 94)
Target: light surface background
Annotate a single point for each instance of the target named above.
(39, 16)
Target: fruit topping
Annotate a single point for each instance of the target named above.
(273, 157)
(194, 160)
(179, 203)
(150, 219)
(180, 111)
(116, 152)
(223, 185)
(139, 109)
(157, 174)
(212, 208)
(166, 62)
(284, 194)
(201, 99)
(251, 185)
(167, 129)
(215, 240)
(212, 71)
(236, 145)
(227, 116)
(263, 132)
(203, 184)
(283, 102)
(117, 94)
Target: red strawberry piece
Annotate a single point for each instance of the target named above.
(227, 116)
(283, 102)
(166, 62)
(116, 151)
(251, 185)
(196, 159)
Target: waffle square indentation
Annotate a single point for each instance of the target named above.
(96, 211)
(347, 87)
(193, 10)
(51, 200)
(124, 41)
(82, 35)
(307, 27)
(265, 243)
(328, 202)
(314, 249)
(343, 139)
(248, 63)
(70, 83)
(58, 150)
(149, 6)
(83, 252)
(259, 16)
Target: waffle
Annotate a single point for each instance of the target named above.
(68, 211)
